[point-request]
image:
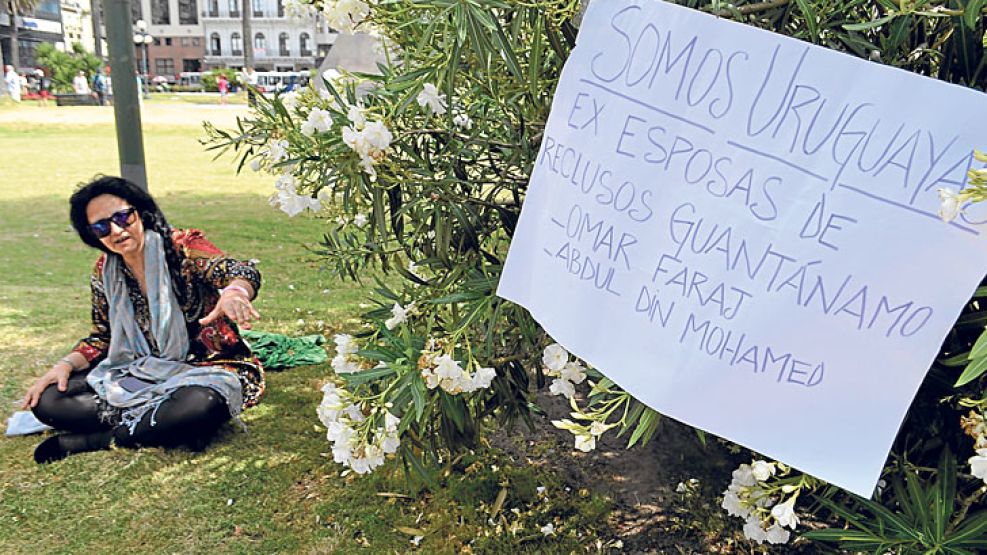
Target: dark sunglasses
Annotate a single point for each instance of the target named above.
(123, 219)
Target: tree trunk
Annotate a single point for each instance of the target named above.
(97, 15)
(15, 49)
(248, 38)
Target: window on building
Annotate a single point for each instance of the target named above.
(304, 44)
(236, 44)
(283, 44)
(234, 7)
(160, 12)
(157, 41)
(280, 8)
(215, 48)
(136, 12)
(258, 8)
(167, 41)
(185, 42)
(213, 8)
(196, 42)
(260, 42)
(191, 65)
(164, 66)
(188, 12)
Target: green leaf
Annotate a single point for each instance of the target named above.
(418, 394)
(972, 12)
(980, 347)
(810, 19)
(972, 372)
(971, 533)
(368, 375)
(869, 24)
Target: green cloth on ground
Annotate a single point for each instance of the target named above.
(279, 352)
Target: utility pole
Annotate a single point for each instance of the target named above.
(126, 107)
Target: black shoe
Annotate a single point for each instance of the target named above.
(58, 447)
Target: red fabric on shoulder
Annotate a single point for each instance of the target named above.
(193, 239)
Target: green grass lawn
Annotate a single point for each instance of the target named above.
(268, 490)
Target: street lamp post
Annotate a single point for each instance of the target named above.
(143, 38)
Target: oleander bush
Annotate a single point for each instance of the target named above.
(427, 162)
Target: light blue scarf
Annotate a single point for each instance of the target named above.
(130, 354)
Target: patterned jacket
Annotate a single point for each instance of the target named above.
(206, 270)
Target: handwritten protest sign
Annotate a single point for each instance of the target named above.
(740, 229)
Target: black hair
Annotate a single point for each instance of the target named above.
(151, 216)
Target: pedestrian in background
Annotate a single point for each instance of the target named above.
(224, 87)
(12, 82)
(80, 84)
(99, 86)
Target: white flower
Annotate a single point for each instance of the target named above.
(277, 151)
(978, 465)
(462, 121)
(447, 368)
(562, 387)
(950, 203)
(318, 119)
(548, 529)
(733, 506)
(540, 490)
(596, 429)
(573, 371)
(784, 513)
(554, 357)
(255, 164)
(345, 365)
(345, 344)
(585, 442)
(743, 476)
(290, 99)
(430, 97)
(762, 470)
(360, 220)
(357, 115)
(776, 534)
(417, 540)
(482, 377)
(345, 15)
(378, 135)
(754, 529)
(293, 204)
(399, 316)
(337, 432)
(298, 9)
(307, 128)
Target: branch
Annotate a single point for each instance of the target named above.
(752, 8)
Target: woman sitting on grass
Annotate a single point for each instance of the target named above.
(164, 364)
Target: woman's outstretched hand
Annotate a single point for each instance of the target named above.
(58, 374)
(235, 305)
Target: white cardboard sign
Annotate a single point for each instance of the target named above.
(740, 229)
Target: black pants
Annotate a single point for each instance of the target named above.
(190, 416)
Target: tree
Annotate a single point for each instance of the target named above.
(248, 41)
(63, 66)
(16, 8)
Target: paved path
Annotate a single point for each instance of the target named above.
(153, 113)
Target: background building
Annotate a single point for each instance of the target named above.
(177, 28)
(77, 24)
(43, 24)
(280, 43)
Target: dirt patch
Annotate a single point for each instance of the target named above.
(649, 514)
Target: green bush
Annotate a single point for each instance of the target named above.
(64, 66)
(428, 162)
